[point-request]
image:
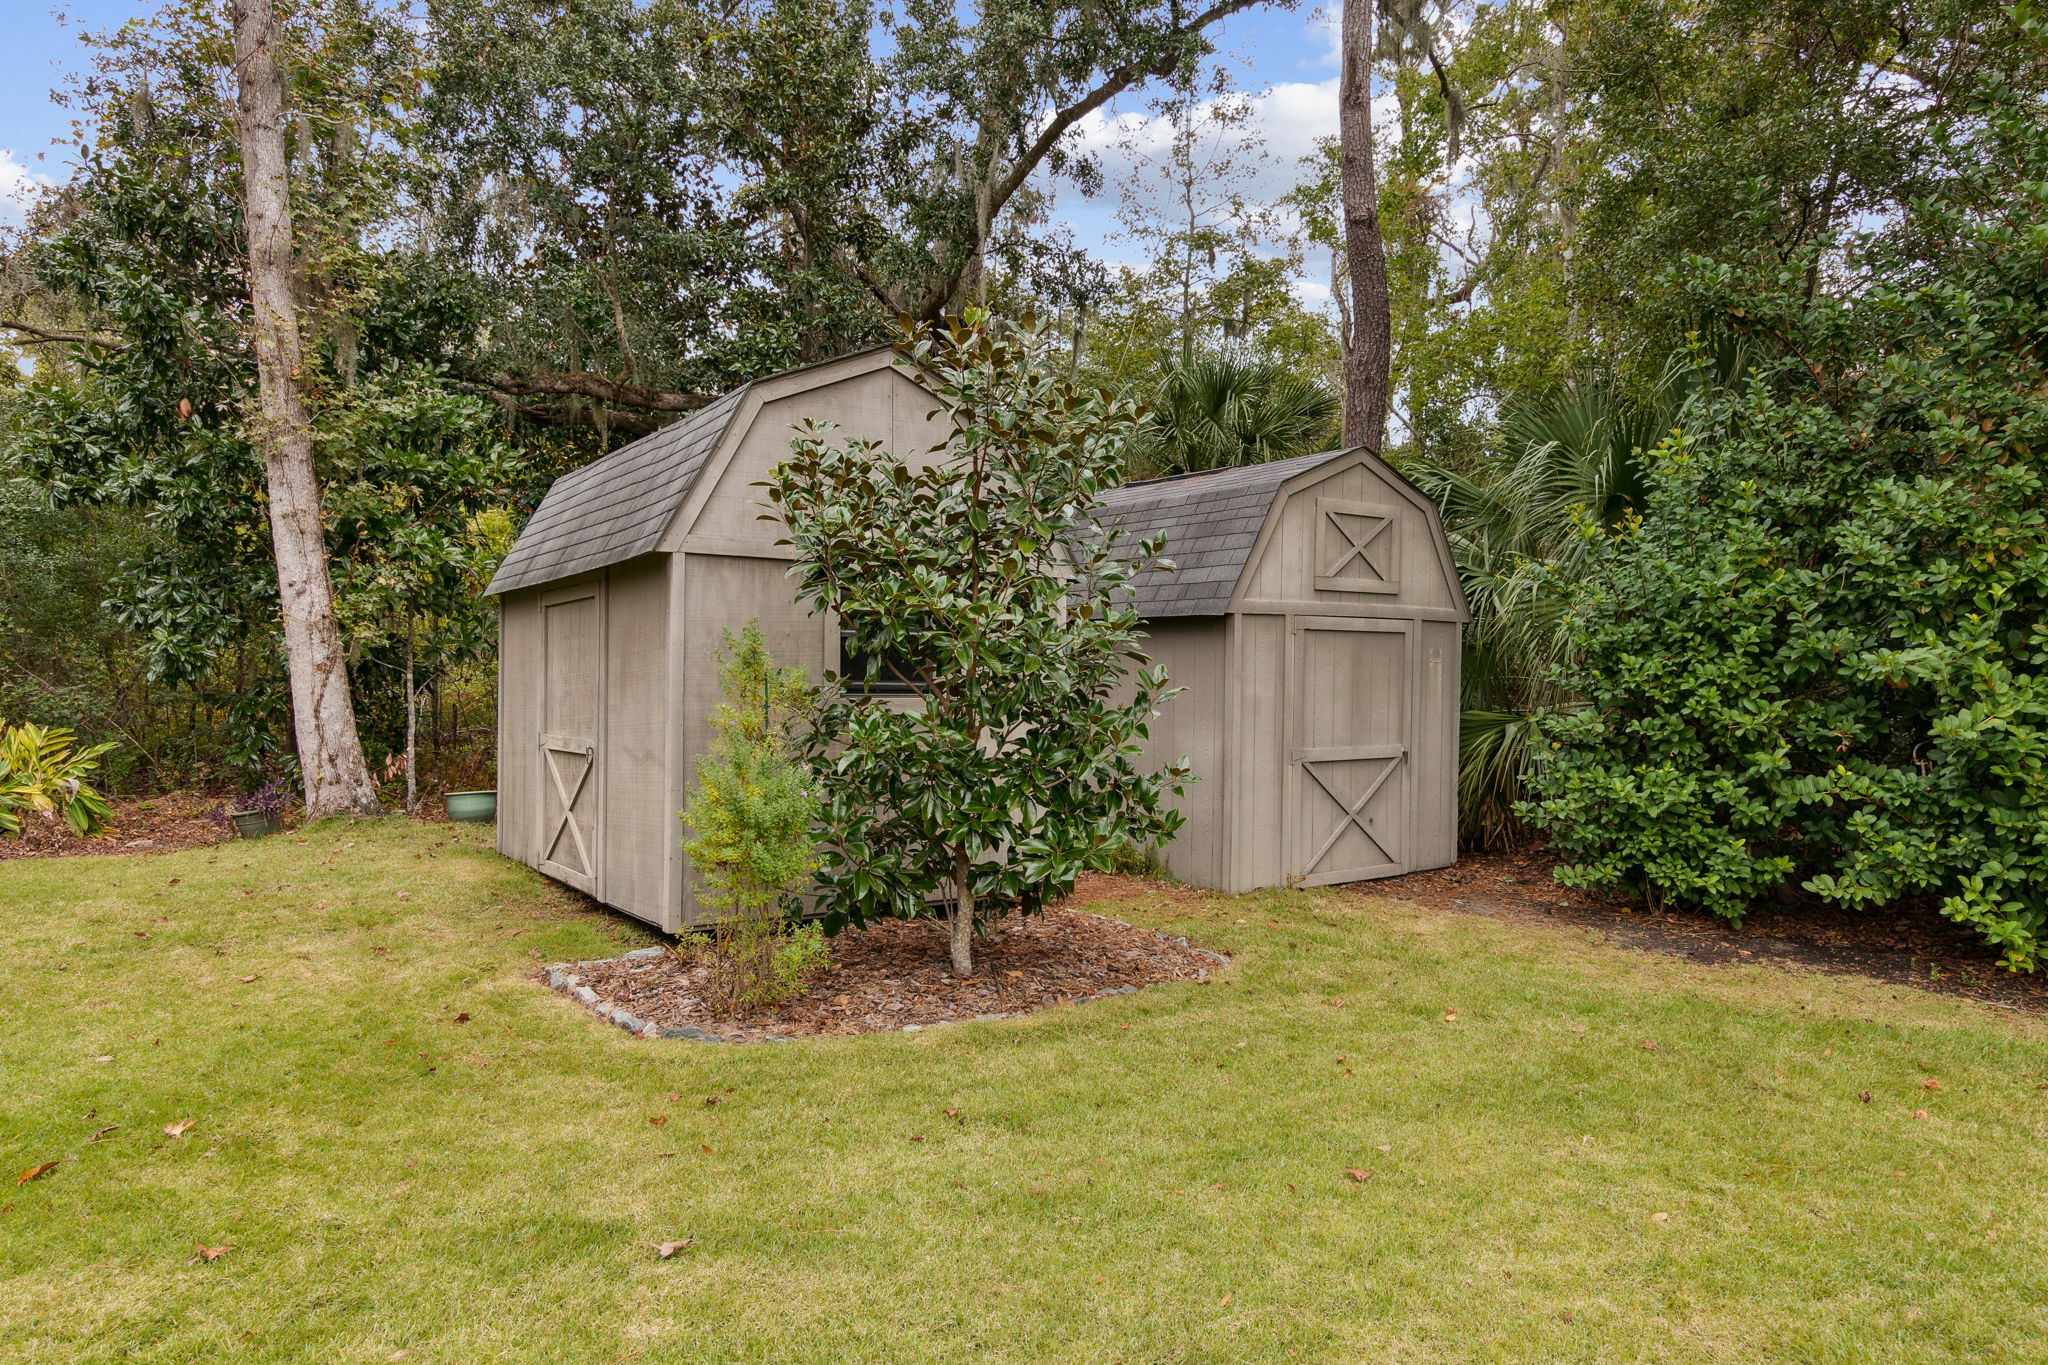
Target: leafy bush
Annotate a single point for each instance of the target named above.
(985, 579)
(1821, 654)
(42, 772)
(752, 848)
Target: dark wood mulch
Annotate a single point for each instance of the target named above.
(1908, 945)
(899, 973)
(141, 824)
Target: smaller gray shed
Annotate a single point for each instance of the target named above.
(1313, 619)
(1313, 616)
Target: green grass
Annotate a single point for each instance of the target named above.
(1159, 1178)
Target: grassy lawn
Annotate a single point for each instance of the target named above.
(1160, 1178)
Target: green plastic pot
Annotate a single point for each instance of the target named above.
(478, 806)
(255, 824)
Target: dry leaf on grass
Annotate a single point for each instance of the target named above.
(245, 980)
(1930, 1084)
(1360, 1176)
(1649, 1046)
(1659, 1217)
(658, 1120)
(1919, 1113)
(36, 1172)
(1224, 1302)
(668, 1249)
(178, 1129)
(202, 1252)
(99, 1133)
(1450, 1016)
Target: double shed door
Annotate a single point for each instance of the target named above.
(571, 727)
(1350, 719)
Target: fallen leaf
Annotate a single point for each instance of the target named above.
(202, 1252)
(1578, 1028)
(1224, 1302)
(1659, 1217)
(399, 1355)
(658, 1120)
(1386, 1147)
(178, 1129)
(671, 1098)
(103, 1132)
(1865, 1097)
(1649, 1046)
(1450, 1016)
(710, 1100)
(103, 1059)
(707, 1149)
(1919, 1113)
(36, 1172)
(917, 1137)
(1334, 1004)
(1930, 1084)
(245, 980)
(1827, 1052)
(462, 1018)
(668, 1249)
(1360, 1176)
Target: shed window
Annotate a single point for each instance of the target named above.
(896, 677)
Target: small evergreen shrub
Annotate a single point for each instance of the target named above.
(751, 820)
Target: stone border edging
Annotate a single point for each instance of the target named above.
(563, 978)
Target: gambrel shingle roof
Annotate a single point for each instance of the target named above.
(617, 507)
(1211, 520)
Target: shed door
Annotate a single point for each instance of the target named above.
(572, 702)
(1348, 760)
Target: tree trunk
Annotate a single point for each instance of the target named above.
(1368, 360)
(961, 917)
(337, 782)
(412, 728)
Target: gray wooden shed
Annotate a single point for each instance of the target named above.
(1313, 619)
(611, 606)
(1313, 616)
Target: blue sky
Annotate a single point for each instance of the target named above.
(1283, 59)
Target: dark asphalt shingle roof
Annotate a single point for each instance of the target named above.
(1210, 520)
(617, 507)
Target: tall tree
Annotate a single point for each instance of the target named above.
(337, 781)
(1369, 355)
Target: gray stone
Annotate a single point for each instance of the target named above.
(556, 978)
(913, 1028)
(691, 1032)
(642, 954)
(627, 1021)
(585, 994)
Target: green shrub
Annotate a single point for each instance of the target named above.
(42, 772)
(1821, 653)
(752, 847)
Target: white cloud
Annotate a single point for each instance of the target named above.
(18, 186)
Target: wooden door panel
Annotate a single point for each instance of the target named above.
(572, 701)
(1348, 760)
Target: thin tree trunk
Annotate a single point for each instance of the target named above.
(412, 728)
(337, 781)
(1369, 359)
(961, 918)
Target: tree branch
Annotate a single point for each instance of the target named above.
(585, 385)
(35, 335)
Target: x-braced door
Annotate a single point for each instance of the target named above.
(572, 707)
(1349, 750)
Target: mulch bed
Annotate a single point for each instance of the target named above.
(141, 824)
(1907, 945)
(899, 973)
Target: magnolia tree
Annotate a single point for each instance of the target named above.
(982, 586)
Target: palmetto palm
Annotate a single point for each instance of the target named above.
(1220, 411)
(1571, 461)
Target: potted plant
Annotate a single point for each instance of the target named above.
(261, 812)
(477, 805)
